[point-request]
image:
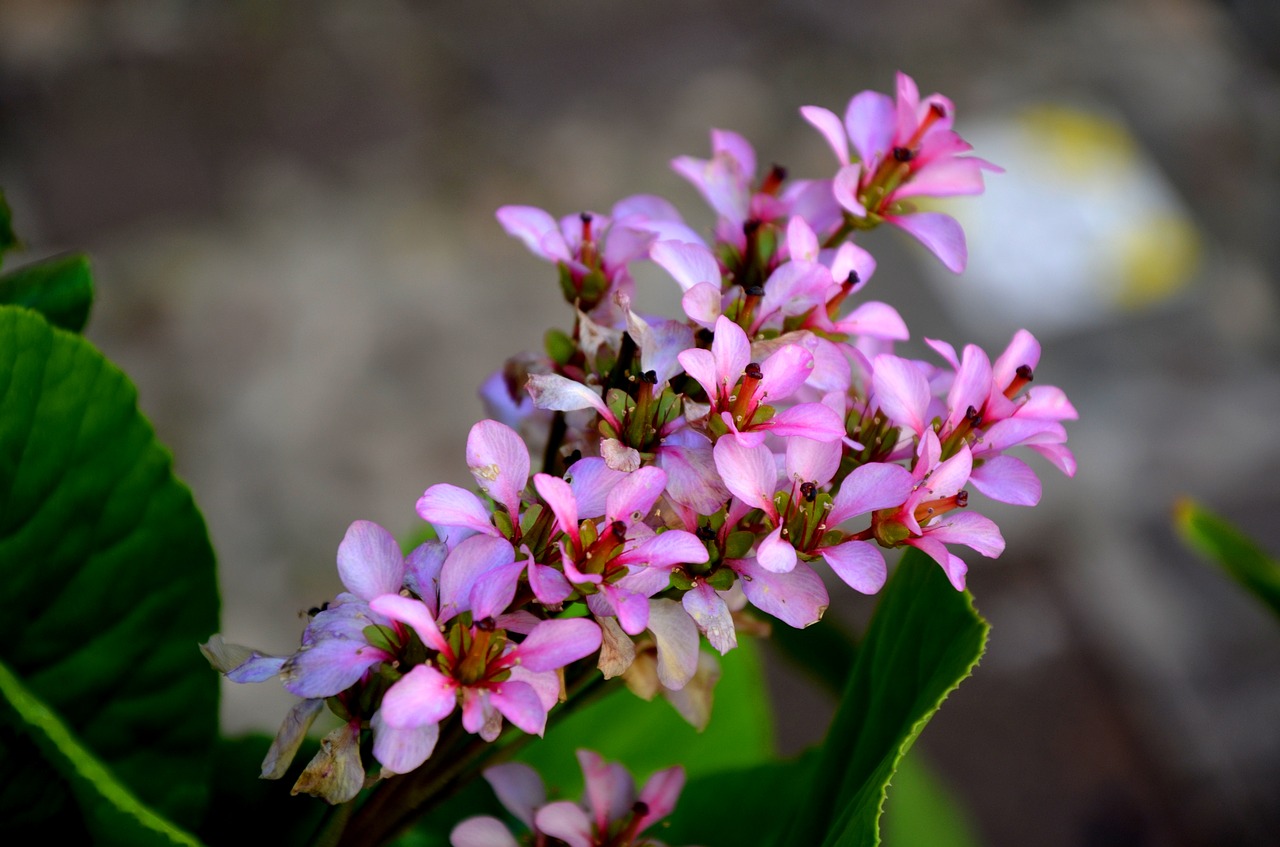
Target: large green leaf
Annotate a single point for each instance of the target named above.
(1232, 550)
(96, 808)
(108, 572)
(60, 288)
(924, 639)
(921, 811)
(263, 808)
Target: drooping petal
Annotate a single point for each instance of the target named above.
(617, 650)
(970, 529)
(631, 609)
(689, 264)
(499, 460)
(239, 663)
(334, 774)
(519, 703)
(1007, 479)
(940, 233)
(693, 701)
(711, 615)
(329, 666)
(292, 732)
(798, 598)
(561, 394)
(775, 553)
(827, 123)
(952, 565)
(414, 613)
(859, 564)
(676, 636)
(448, 505)
(402, 749)
(369, 561)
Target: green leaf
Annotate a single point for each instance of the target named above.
(101, 810)
(262, 807)
(1232, 550)
(108, 572)
(60, 288)
(921, 811)
(8, 240)
(650, 736)
(924, 639)
(824, 652)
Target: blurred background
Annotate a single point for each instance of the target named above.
(290, 211)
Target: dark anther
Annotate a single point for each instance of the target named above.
(852, 278)
(972, 415)
(619, 530)
(571, 458)
(705, 533)
(651, 377)
(753, 371)
(315, 610)
(903, 154)
(755, 291)
(962, 499)
(778, 173)
(1025, 372)
(750, 226)
(640, 808)
(486, 625)
(809, 490)
(585, 217)
(938, 110)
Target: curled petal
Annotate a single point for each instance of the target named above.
(401, 750)
(859, 564)
(450, 506)
(776, 554)
(561, 394)
(712, 616)
(940, 233)
(335, 773)
(289, 738)
(676, 636)
(499, 461)
(798, 598)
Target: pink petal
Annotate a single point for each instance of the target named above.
(901, 391)
(610, 789)
(548, 584)
(784, 372)
(632, 499)
(952, 565)
(415, 614)
(727, 142)
(947, 177)
(473, 558)
(970, 529)
(422, 696)
(702, 304)
(401, 750)
(673, 547)
(731, 351)
(559, 496)
(590, 481)
(519, 703)
(369, 561)
(1007, 479)
(492, 595)
(1023, 349)
(499, 461)
(871, 120)
(876, 320)
(872, 486)
(689, 264)
(845, 189)
(776, 555)
(807, 420)
(422, 571)
(566, 821)
(519, 789)
(859, 564)
(826, 122)
(798, 598)
(660, 794)
(555, 643)
(691, 473)
(971, 386)
(545, 683)
(450, 506)
(750, 473)
(940, 233)
(813, 461)
(632, 610)
(483, 831)
(533, 226)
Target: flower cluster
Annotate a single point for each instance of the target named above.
(688, 467)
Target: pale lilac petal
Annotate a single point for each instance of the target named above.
(632, 499)
(945, 177)
(421, 697)
(369, 561)
(807, 420)
(901, 391)
(813, 461)
(872, 486)
(946, 351)
(239, 663)
(776, 554)
(415, 614)
(784, 372)
(1007, 479)
(659, 795)
(870, 120)
(519, 703)
(422, 571)
(450, 506)
(793, 289)
(827, 123)
(518, 788)
(632, 610)
(728, 142)
(545, 683)
(590, 480)
(702, 304)
(859, 564)
(876, 320)
(845, 189)
(940, 233)
(483, 831)
(688, 264)
(751, 473)
(908, 116)
(521, 621)
(659, 344)
(537, 229)
(555, 643)
(676, 637)
(801, 241)
(1015, 431)
(673, 547)
(548, 585)
(691, 473)
(479, 715)
(499, 460)
(970, 529)
(329, 666)
(798, 598)
(711, 615)
(473, 558)
(566, 821)
(402, 749)
(609, 787)
(721, 181)
(561, 394)
(559, 496)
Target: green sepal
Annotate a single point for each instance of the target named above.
(680, 580)
(592, 290)
(503, 522)
(721, 580)
(738, 544)
(381, 637)
(568, 288)
(560, 346)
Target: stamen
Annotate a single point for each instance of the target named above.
(903, 154)
(650, 377)
(809, 490)
(753, 371)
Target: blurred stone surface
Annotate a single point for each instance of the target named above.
(290, 208)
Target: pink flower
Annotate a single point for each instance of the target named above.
(902, 150)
